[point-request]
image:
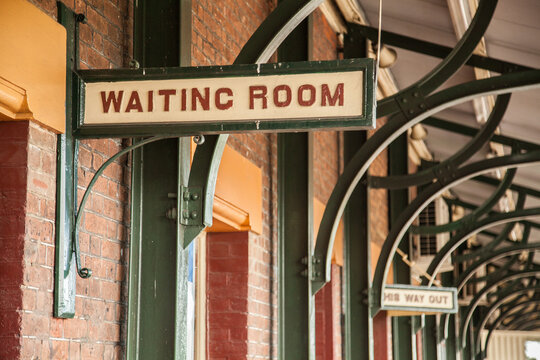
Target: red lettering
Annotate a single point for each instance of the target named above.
(111, 98)
(166, 96)
(288, 96)
(311, 99)
(150, 101)
(134, 102)
(183, 100)
(220, 105)
(261, 94)
(332, 99)
(204, 100)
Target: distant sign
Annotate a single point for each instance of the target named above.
(410, 300)
(284, 96)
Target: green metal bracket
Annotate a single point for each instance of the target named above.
(443, 169)
(66, 180)
(361, 161)
(191, 206)
(498, 303)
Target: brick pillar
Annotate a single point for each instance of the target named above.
(13, 179)
(328, 318)
(382, 336)
(227, 295)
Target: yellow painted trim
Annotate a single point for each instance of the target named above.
(13, 102)
(238, 198)
(32, 66)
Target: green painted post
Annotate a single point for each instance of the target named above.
(398, 160)
(157, 320)
(358, 332)
(450, 340)
(357, 273)
(65, 271)
(295, 225)
(429, 337)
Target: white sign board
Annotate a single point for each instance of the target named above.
(262, 98)
(419, 299)
(267, 97)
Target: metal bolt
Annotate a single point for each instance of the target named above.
(194, 214)
(194, 196)
(304, 273)
(416, 94)
(304, 260)
(317, 274)
(404, 100)
(422, 106)
(198, 139)
(185, 214)
(186, 195)
(411, 111)
(80, 18)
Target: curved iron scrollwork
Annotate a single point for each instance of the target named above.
(462, 155)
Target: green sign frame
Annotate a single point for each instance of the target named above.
(365, 121)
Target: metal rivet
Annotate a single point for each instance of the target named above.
(194, 196)
(416, 94)
(404, 101)
(186, 195)
(411, 111)
(194, 214)
(422, 106)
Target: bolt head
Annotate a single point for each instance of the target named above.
(194, 196)
(194, 214)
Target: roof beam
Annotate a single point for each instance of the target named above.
(471, 131)
(436, 50)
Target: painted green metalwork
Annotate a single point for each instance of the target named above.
(157, 297)
(472, 131)
(398, 200)
(454, 161)
(516, 187)
(436, 50)
(296, 336)
(500, 301)
(467, 205)
(358, 166)
(66, 181)
(514, 308)
(475, 214)
(429, 194)
(358, 332)
(466, 318)
(457, 240)
(410, 99)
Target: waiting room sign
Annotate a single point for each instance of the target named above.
(224, 99)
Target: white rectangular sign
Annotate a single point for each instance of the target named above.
(291, 96)
(420, 299)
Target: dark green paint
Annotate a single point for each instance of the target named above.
(435, 50)
(296, 337)
(398, 159)
(66, 180)
(157, 311)
(358, 330)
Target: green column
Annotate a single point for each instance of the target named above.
(358, 332)
(450, 341)
(157, 304)
(295, 224)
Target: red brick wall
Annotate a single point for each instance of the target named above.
(14, 170)
(328, 318)
(98, 328)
